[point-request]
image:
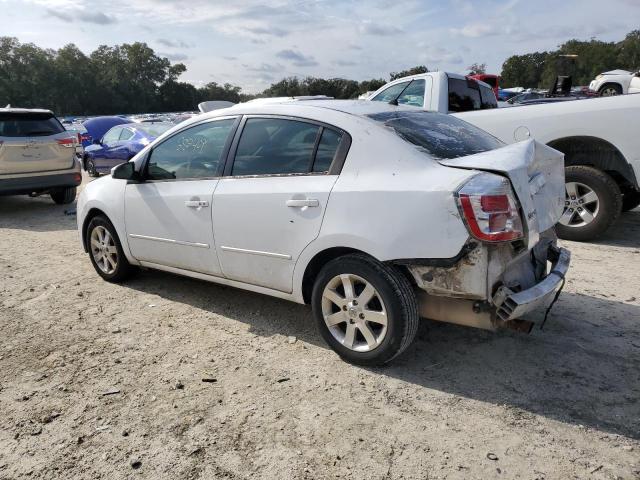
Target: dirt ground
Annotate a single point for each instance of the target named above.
(107, 381)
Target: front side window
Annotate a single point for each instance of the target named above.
(126, 134)
(112, 136)
(391, 93)
(413, 95)
(192, 153)
(271, 146)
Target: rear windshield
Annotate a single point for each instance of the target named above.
(155, 129)
(29, 125)
(441, 136)
(464, 95)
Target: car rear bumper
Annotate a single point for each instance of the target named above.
(40, 183)
(511, 305)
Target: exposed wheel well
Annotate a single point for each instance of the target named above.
(597, 153)
(611, 84)
(94, 212)
(316, 264)
(324, 257)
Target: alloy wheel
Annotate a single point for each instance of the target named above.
(582, 205)
(104, 250)
(609, 92)
(354, 312)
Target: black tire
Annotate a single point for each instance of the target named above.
(630, 200)
(123, 269)
(610, 89)
(399, 299)
(610, 199)
(90, 167)
(64, 195)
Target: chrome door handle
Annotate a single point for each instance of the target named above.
(196, 203)
(303, 202)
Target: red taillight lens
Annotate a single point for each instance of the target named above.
(79, 139)
(67, 142)
(489, 208)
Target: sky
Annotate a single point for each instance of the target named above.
(254, 43)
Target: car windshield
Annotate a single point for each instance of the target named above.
(154, 129)
(441, 136)
(29, 125)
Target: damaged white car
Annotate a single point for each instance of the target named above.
(374, 214)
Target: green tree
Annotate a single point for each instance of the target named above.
(477, 68)
(405, 73)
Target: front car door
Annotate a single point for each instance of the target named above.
(101, 156)
(270, 204)
(168, 215)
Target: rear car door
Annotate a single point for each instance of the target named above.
(34, 142)
(168, 215)
(270, 204)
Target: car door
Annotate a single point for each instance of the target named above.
(168, 215)
(102, 155)
(270, 204)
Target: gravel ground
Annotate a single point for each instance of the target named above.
(170, 378)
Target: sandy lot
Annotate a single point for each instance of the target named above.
(106, 381)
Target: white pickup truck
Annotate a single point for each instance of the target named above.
(599, 138)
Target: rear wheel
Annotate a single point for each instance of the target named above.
(105, 250)
(630, 200)
(64, 195)
(593, 203)
(610, 89)
(366, 311)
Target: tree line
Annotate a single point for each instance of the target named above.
(132, 78)
(582, 60)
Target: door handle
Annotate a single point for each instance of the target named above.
(196, 203)
(303, 202)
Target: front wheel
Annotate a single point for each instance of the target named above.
(610, 90)
(593, 203)
(90, 167)
(365, 310)
(106, 252)
(64, 195)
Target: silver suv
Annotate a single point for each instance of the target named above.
(37, 155)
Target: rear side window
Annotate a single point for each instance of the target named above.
(488, 98)
(464, 95)
(29, 125)
(441, 136)
(327, 148)
(192, 153)
(271, 146)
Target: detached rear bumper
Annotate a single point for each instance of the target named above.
(511, 305)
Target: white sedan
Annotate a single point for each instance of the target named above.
(374, 214)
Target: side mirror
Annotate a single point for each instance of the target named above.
(125, 171)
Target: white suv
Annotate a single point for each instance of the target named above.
(374, 214)
(37, 155)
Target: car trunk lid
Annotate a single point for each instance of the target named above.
(34, 142)
(536, 173)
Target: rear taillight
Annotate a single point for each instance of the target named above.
(79, 139)
(67, 142)
(490, 209)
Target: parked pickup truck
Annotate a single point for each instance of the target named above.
(37, 155)
(598, 137)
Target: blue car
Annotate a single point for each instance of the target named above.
(94, 128)
(120, 144)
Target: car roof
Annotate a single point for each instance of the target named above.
(352, 107)
(25, 110)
